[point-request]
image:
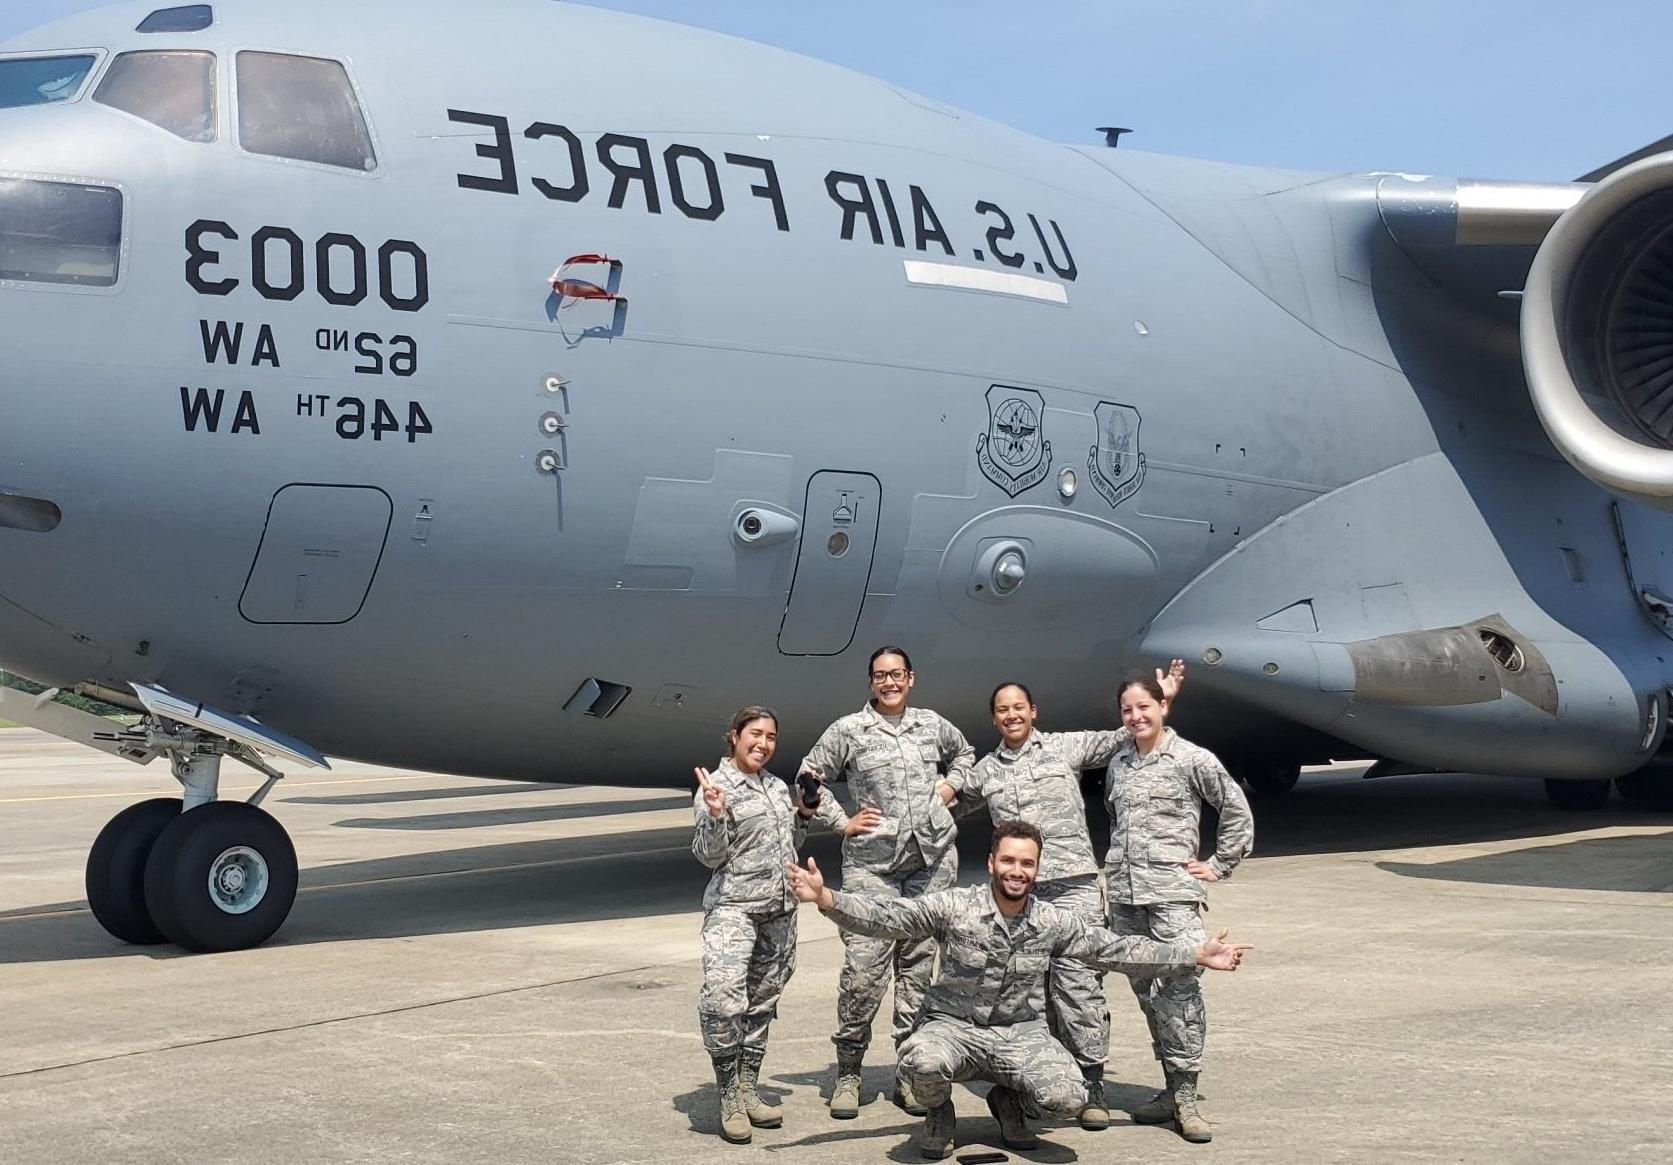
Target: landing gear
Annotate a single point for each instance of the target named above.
(116, 869)
(1266, 776)
(221, 877)
(1577, 795)
(205, 874)
(1651, 787)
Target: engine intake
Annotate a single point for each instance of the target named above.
(1597, 332)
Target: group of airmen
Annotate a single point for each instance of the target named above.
(1017, 995)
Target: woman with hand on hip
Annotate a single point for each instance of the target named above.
(903, 765)
(1035, 777)
(1155, 787)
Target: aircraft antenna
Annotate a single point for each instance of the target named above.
(1112, 134)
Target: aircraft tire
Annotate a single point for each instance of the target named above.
(116, 870)
(1649, 788)
(221, 877)
(1270, 778)
(1581, 796)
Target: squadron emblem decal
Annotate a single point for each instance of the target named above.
(1014, 453)
(1115, 462)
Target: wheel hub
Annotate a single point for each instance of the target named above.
(238, 880)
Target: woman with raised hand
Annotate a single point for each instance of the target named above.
(1035, 777)
(1155, 787)
(748, 827)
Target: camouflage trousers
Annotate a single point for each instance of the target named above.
(1075, 1003)
(747, 960)
(1023, 1056)
(1172, 1004)
(868, 963)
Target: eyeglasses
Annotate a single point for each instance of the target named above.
(898, 675)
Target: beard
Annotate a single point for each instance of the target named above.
(999, 890)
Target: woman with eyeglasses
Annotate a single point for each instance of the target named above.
(1034, 777)
(895, 758)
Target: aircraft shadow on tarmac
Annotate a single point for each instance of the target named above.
(520, 815)
(651, 872)
(401, 796)
(1335, 813)
(1637, 862)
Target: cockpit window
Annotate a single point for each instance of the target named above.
(302, 108)
(186, 18)
(174, 90)
(42, 80)
(60, 232)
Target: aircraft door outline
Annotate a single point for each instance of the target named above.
(320, 549)
(833, 563)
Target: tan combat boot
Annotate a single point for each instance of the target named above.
(734, 1124)
(762, 1113)
(845, 1093)
(935, 1142)
(1006, 1107)
(1158, 1110)
(1192, 1126)
(1095, 1115)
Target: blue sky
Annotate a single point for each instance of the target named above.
(1535, 89)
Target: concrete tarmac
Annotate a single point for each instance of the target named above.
(486, 972)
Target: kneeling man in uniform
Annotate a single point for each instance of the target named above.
(984, 1017)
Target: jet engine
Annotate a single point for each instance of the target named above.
(1597, 332)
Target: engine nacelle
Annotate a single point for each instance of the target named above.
(1597, 332)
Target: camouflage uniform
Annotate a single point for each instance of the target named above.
(984, 1016)
(749, 911)
(895, 769)
(1040, 783)
(1155, 805)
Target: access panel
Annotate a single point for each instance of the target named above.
(318, 554)
(833, 564)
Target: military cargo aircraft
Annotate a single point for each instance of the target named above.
(478, 412)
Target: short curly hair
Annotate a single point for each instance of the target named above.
(1004, 829)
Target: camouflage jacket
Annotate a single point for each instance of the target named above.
(1155, 805)
(749, 846)
(992, 971)
(1040, 783)
(895, 770)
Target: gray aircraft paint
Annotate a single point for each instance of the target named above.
(1317, 420)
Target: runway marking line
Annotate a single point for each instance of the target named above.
(457, 873)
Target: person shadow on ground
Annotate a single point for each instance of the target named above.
(807, 1123)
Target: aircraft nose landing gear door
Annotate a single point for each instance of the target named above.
(833, 565)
